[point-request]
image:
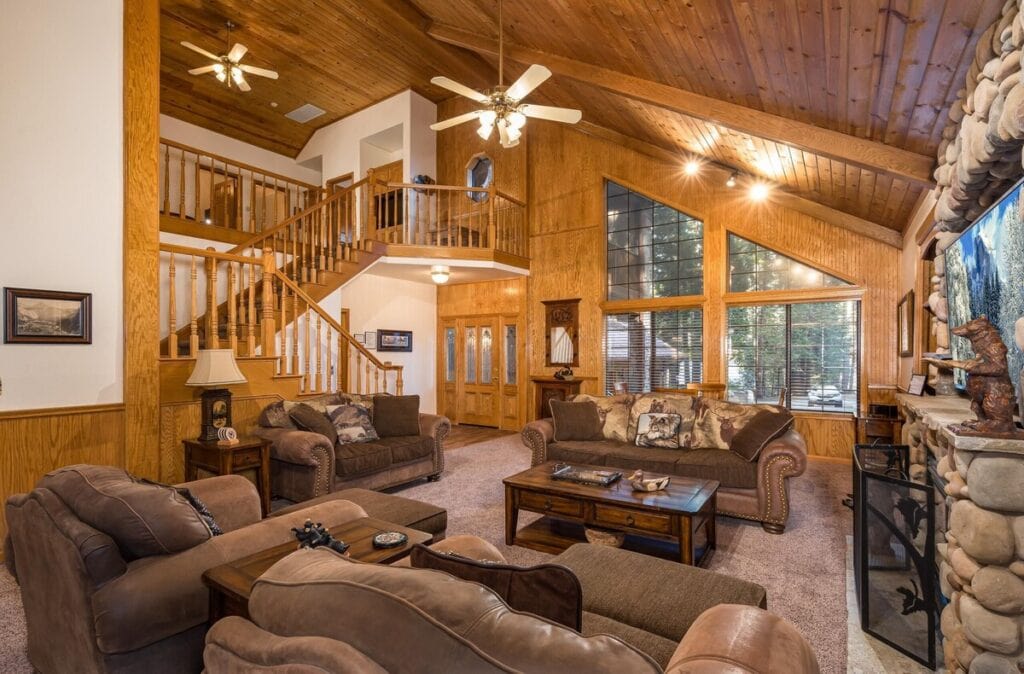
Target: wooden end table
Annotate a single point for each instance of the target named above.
(231, 584)
(675, 515)
(248, 454)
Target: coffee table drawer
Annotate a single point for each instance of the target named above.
(635, 519)
(545, 503)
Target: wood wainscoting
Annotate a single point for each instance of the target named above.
(831, 435)
(34, 442)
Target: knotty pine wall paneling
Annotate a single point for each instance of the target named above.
(565, 185)
(34, 442)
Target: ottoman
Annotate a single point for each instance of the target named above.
(389, 507)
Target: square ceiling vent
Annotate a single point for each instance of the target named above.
(304, 113)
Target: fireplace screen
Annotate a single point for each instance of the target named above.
(894, 551)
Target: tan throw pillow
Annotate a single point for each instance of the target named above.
(143, 519)
(664, 403)
(352, 423)
(656, 429)
(718, 421)
(767, 425)
(614, 413)
(575, 420)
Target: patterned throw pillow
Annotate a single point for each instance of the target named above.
(614, 413)
(657, 429)
(718, 421)
(664, 403)
(275, 415)
(352, 422)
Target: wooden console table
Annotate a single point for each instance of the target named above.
(549, 388)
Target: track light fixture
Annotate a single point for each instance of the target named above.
(731, 182)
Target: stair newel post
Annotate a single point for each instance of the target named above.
(250, 334)
(491, 230)
(172, 311)
(268, 327)
(399, 383)
(232, 313)
(193, 340)
(212, 320)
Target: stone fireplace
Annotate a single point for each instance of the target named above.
(980, 557)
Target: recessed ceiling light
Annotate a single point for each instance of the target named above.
(692, 167)
(731, 182)
(759, 191)
(273, 104)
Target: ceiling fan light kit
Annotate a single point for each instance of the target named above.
(503, 106)
(228, 68)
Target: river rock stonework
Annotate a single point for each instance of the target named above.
(981, 552)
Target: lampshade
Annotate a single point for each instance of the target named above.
(561, 346)
(215, 368)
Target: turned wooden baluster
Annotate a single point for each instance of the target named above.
(368, 379)
(172, 307)
(181, 188)
(193, 340)
(197, 216)
(329, 368)
(399, 384)
(167, 180)
(359, 372)
(212, 326)
(250, 336)
(317, 371)
(253, 225)
(306, 312)
(282, 354)
(295, 334)
(232, 313)
(213, 170)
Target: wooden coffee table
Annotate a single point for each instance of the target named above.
(676, 523)
(231, 584)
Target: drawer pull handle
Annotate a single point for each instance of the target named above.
(629, 520)
(547, 504)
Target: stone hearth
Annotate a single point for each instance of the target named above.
(981, 562)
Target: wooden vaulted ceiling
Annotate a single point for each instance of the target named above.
(869, 83)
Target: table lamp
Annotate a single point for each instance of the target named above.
(215, 369)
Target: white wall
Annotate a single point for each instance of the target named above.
(376, 302)
(338, 144)
(216, 143)
(61, 165)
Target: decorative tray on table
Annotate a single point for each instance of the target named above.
(601, 478)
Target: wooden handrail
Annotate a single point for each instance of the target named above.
(314, 306)
(439, 188)
(239, 164)
(288, 222)
(507, 197)
(212, 254)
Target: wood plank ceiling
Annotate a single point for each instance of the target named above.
(884, 70)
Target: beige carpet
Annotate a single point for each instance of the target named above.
(803, 570)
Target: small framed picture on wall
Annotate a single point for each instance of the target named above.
(917, 382)
(47, 317)
(370, 340)
(394, 340)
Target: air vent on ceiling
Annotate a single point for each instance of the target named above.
(304, 113)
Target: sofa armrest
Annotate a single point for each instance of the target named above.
(733, 638)
(310, 458)
(437, 427)
(782, 458)
(536, 435)
(231, 499)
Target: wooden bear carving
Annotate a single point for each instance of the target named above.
(993, 398)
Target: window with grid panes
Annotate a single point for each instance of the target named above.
(811, 350)
(654, 250)
(648, 350)
(754, 267)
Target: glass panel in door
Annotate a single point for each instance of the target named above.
(511, 353)
(470, 355)
(486, 358)
(449, 351)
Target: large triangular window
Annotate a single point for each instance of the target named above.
(754, 267)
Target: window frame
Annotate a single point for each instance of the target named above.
(650, 343)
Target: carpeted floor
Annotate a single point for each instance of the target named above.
(804, 570)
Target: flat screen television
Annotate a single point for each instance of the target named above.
(985, 277)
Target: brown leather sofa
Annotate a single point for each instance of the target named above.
(752, 490)
(91, 608)
(403, 620)
(305, 465)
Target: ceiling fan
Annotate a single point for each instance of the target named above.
(227, 67)
(503, 106)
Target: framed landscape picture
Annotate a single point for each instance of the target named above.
(394, 340)
(905, 319)
(47, 317)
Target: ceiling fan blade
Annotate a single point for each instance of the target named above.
(503, 135)
(455, 121)
(202, 70)
(461, 89)
(567, 115)
(527, 82)
(200, 50)
(237, 52)
(242, 84)
(262, 72)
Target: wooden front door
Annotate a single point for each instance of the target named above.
(481, 390)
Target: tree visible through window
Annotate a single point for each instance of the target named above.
(653, 349)
(754, 267)
(809, 349)
(654, 250)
